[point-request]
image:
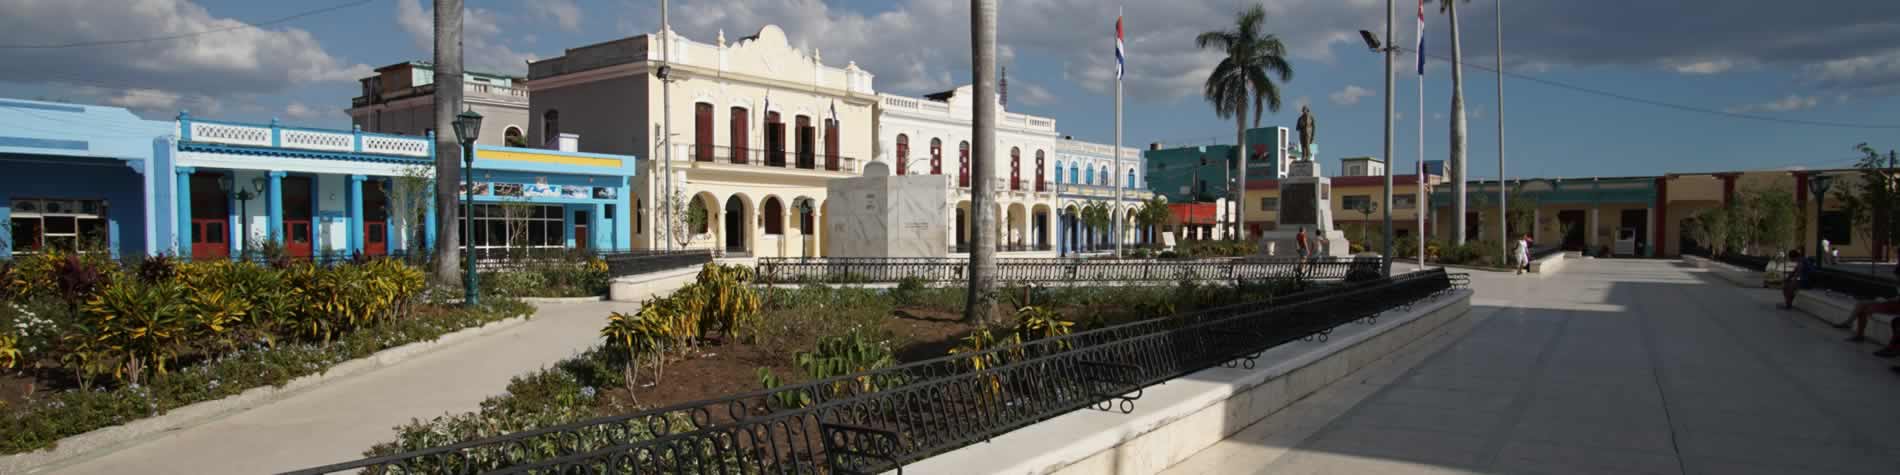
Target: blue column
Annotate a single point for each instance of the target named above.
(234, 239)
(599, 235)
(184, 211)
(274, 199)
(568, 239)
(623, 219)
(354, 240)
(428, 228)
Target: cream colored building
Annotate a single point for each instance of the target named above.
(931, 135)
(758, 126)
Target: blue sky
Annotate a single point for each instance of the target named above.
(1813, 62)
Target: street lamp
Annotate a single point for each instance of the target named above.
(468, 126)
(1372, 42)
(1819, 184)
(244, 197)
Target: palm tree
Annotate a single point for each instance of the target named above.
(1457, 165)
(448, 155)
(980, 303)
(1253, 57)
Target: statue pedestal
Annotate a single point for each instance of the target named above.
(1305, 202)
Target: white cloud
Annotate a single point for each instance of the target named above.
(1877, 72)
(1793, 102)
(1713, 66)
(297, 110)
(1032, 93)
(482, 49)
(1349, 96)
(241, 60)
(563, 12)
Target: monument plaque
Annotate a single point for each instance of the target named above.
(1296, 205)
(880, 215)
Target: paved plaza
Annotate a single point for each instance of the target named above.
(1612, 366)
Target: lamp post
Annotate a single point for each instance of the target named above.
(244, 197)
(1372, 41)
(1819, 184)
(468, 126)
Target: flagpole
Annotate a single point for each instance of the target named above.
(1119, 67)
(1423, 206)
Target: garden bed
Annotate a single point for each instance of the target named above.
(796, 335)
(100, 344)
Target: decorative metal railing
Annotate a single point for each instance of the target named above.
(863, 270)
(760, 157)
(876, 421)
(274, 135)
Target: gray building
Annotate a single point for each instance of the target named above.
(400, 99)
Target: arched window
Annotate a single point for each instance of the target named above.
(1131, 179)
(551, 128)
(774, 216)
(1015, 168)
(831, 144)
(963, 164)
(703, 132)
(1090, 176)
(1106, 177)
(1075, 176)
(1058, 172)
(513, 138)
(1039, 180)
(936, 156)
(741, 134)
(903, 152)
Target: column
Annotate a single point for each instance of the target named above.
(1655, 234)
(353, 240)
(817, 232)
(1537, 231)
(1801, 212)
(274, 196)
(428, 228)
(235, 228)
(184, 211)
(1590, 227)
(623, 218)
(1660, 213)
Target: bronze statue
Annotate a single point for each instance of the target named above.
(1305, 127)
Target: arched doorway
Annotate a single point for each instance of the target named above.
(735, 224)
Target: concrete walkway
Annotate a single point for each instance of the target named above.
(1612, 366)
(338, 421)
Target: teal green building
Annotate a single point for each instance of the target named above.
(1199, 173)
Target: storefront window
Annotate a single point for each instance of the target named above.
(67, 225)
(518, 226)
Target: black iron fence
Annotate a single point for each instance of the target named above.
(879, 420)
(865, 270)
(640, 262)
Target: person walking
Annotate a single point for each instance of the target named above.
(1791, 281)
(1299, 242)
(1523, 254)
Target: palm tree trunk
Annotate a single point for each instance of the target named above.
(1458, 177)
(448, 153)
(980, 306)
(1240, 192)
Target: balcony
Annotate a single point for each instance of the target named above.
(1103, 191)
(470, 90)
(754, 157)
(318, 140)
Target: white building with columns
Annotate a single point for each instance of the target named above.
(758, 127)
(931, 135)
(1086, 172)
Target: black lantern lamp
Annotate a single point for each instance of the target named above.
(468, 127)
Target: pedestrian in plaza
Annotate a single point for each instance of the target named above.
(1791, 281)
(1523, 254)
(1827, 252)
(1864, 311)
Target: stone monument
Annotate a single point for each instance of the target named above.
(1306, 201)
(881, 215)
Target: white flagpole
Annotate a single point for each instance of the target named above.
(1120, 214)
(1423, 206)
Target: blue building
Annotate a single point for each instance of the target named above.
(213, 189)
(1085, 173)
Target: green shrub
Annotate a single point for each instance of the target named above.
(909, 290)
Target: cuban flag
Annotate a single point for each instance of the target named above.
(1421, 38)
(1118, 47)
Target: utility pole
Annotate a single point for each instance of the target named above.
(1504, 217)
(666, 122)
(981, 304)
(448, 152)
(1386, 196)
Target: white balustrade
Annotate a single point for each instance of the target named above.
(313, 140)
(403, 146)
(247, 135)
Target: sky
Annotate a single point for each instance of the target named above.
(1678, 86)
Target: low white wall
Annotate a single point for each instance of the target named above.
(638, 287)
(1549, 264)
(1728, 272)
(1831, 308)
(1173, 421)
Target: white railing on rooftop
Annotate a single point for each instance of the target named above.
(274, 136)
(491, 89)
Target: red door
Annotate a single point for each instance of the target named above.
(208, 238)
(297, 237)
(375, 238)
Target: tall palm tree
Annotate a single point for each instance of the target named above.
(980, 304)
(448, 152)
(1245, 75)
(1457, 165)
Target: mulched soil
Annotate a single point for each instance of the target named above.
(15, 387)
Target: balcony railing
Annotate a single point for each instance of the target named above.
(273, 135)
(1103, 191)
(750, 156)
(504, 93)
